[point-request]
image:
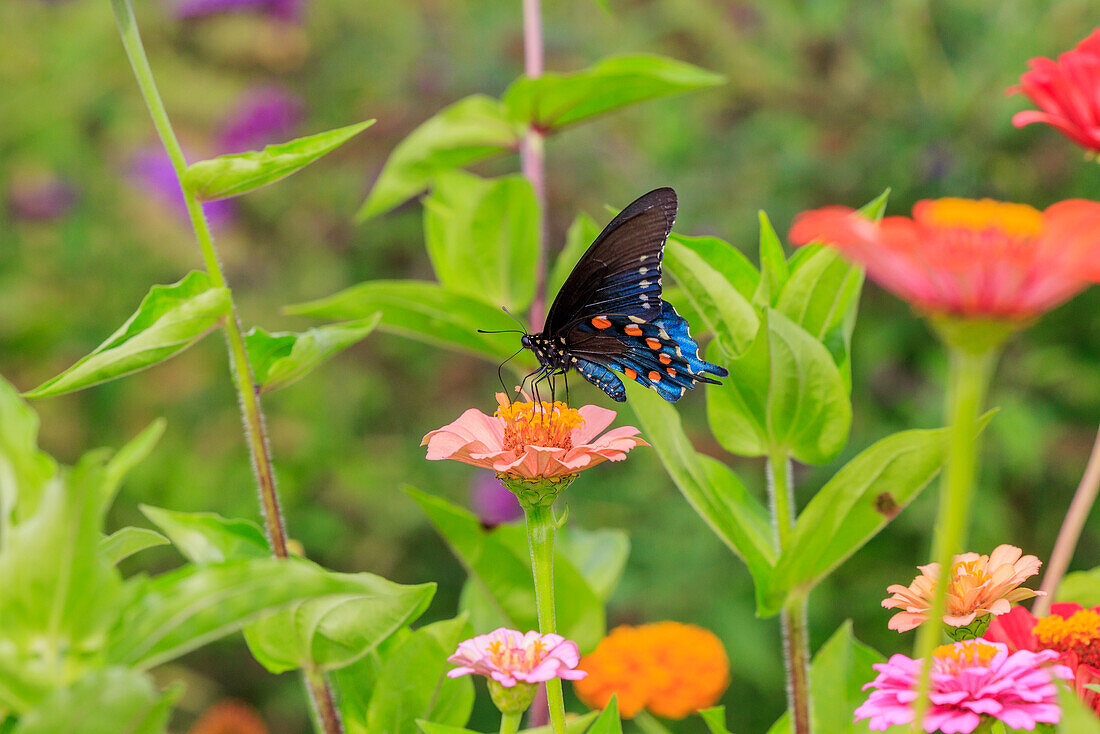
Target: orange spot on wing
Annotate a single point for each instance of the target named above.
(665, 359)
(633, 330)
(600, 322)
(653, 343)
(655, 376)
(629, 373)
(671, 372)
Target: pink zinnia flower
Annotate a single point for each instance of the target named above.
(978, 585)
(960, 257)
(510, 657)
(970, 680)
(1067, 92)
(533, 441)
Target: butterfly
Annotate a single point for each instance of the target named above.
(609, 315)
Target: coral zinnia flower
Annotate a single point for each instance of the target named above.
(510, 657)
(979, 585)
(669, 668)
(230, 717)
(969, 679)
(532, 440)
(1070, 630)
(1067, 91)
(960, 257)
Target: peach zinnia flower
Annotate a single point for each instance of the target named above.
(669, 668)
(979, 585)
(1067, 92)
(533, 440)
(961, 257)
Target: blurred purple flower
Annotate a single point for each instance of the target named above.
(151, 170)
(263, 115)
(40, 197)
(492, 503)
(288, 10)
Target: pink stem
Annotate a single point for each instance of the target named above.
(532, 155)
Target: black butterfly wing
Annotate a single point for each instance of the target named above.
(620, 272)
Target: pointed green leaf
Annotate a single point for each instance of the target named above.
(24, 469)
(581, 234)
(467, 131)
(737, 410)
(609, 721)
(715, 719)
(725, 258)
(239, 173)
(1077, 718)
(708, 285)
(170, 319)
(206, 537)
(126, 542)
(106, 701)
(553, 101)
(774, 270)
(423, 311)
(875, 209)
(492, 222)
(283, 358)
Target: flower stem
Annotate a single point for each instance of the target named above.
(532, 153)
(321, 698)
(509, 723)
(541, 527)
(1070, 533)
(968, 379)
(796, 652)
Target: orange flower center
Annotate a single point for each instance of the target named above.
(1079, 634)
(1014, 220)
(966, 576)
(537, 424)
(517, 658)
(962, 655)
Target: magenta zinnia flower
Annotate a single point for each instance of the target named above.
(970, 680)
(510, 657)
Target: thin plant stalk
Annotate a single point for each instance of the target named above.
(541, 527)
(509, 723)
(968, 380)
(1070, 532)
(321, 698)
(796, 652)
(532, 153)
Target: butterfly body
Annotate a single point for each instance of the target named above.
(609, 316)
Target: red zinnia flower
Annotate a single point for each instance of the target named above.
(961, 257)
(1067, 92)
(1071, 630)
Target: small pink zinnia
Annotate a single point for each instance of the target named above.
(533, 440)
(979, 585)
(970, 680)
(510, 657)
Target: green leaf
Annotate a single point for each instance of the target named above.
(170, 319)
(126, 542)
(423, 311)
(737, 410)
(206, 537)
(106, 701)
(854, 506)
(499, 562)
(609, 721)
(710, 284)
(494, 223)
(283, 358)
(467, 131)
(1077, 718)
(553, 101)
(709, 486)
(239, 173)
(715, 719)
(726, 259)
(822, 297)
(1082, 587)
(581, 234)
(876, 207)
(184, 609)
(575, 725)
(24, 469)
(808, 408)
(599, 555)
(774, 270)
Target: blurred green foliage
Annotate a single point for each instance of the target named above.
(826, 102)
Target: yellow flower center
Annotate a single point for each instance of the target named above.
(1015, 220)
(537, 424)
(966, 576)
(1079, 634)
(517, 658)
(962, 655)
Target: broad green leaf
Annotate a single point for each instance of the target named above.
(500, 563)
(239, 173)
(283, 358)
(737, 410)
(608, 721)
(715, 719)
(575, 725)
(482, 237)
(206, 537)
(126, 542)
(179, 611)
(581, 234)
(24, 469)
(423, 311)
(1082, 587)
(709, 486)
(708, 286)
(725, 258)
(809, 413)
(105, 701)
(170, 319)
(600, 555)
(553, 101)
(467, 131)
(774, 270)
(1077, 718)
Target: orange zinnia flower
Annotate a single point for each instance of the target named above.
(978, 585)
(961, 257)
(1067, 92)
(230, 717)
(669, 668)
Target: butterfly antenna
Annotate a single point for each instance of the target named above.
(500, 374)
(522, 325)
